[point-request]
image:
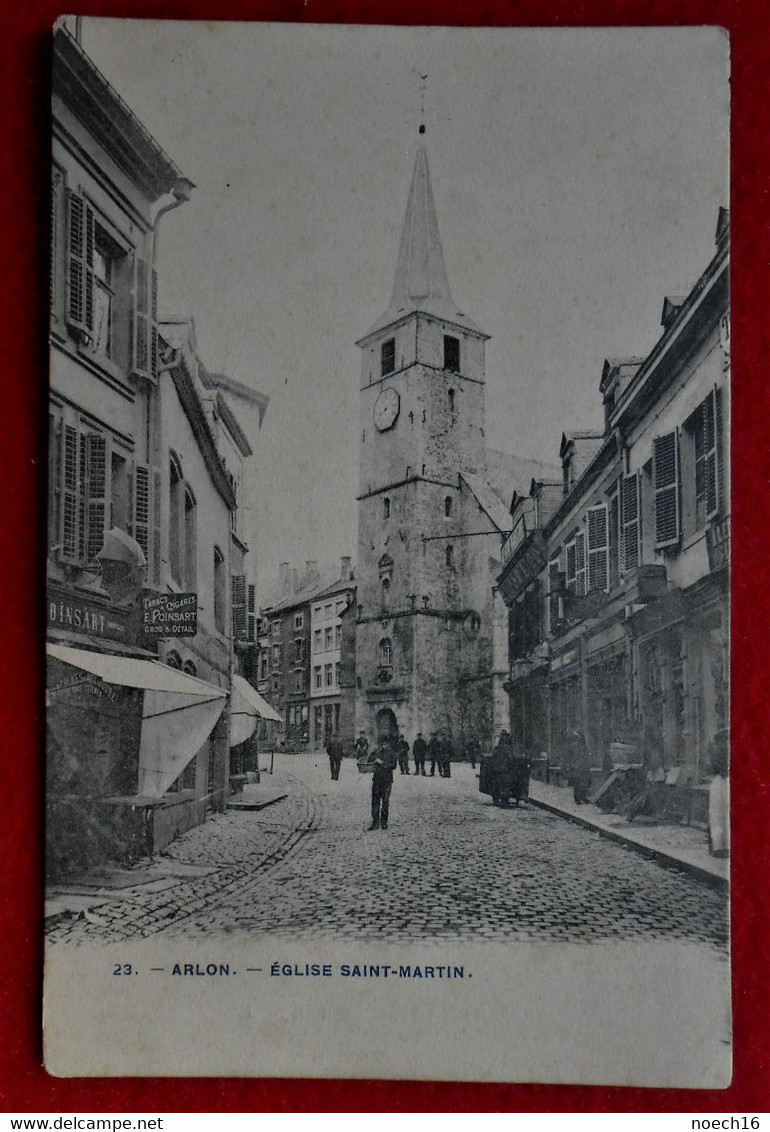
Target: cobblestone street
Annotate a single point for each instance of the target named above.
(451, 865)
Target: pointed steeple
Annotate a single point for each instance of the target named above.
(421, 282)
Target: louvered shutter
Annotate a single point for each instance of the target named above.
(630, 511)
(711, 454)
(571, 566)
(239, 605)
(720, 500)
(554, 595)
(57, 181)
(141, 319)
(69, 524)
(665, 478)
(80, 261)
(251, 606)
(580, 563)
(598, 547)
(142, 491)
(96, 492)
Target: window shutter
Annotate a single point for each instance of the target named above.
(665, 478)
(69, 524)
(630, 512)
(580, 563)
(711, 448)
(598, 547)
(239, 605)
(141, 328)
(57, 182)
(719, 500)
(251, 606)
(554, 594)
(96, 492)
(80, 259)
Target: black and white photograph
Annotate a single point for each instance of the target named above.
(387, 590)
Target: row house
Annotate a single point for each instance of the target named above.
(141, 508)
(234, 414)
(332, 682)
(616, 578)
(307, 657)
(287, 653)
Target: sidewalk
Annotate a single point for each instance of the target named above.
(682, 846)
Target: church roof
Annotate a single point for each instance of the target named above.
(421, 282)
(508, 474)
(488, 501)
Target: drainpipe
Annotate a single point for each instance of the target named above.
(181, 191)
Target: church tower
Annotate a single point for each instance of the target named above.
(421, 428)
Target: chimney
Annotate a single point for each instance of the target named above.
(345, 568)
(294, 586)
(284, 578)
(311, 571)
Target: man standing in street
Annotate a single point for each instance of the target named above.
(446, 757)
(402, 747)
(334, 751)
(419, 750)
(434, 750)
(385, 760)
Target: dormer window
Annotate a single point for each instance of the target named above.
(388, 356)
(451, 354)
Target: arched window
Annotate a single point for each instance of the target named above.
(190, 539)
(449, 556)
(451, 400)
(448, 506)
(386, 653)
(385, 592)
(386, 508)
(189, 668)
(173, 659)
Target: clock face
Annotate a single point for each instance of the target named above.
(386, 409)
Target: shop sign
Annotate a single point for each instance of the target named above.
(517, 577)
(169, 615)
(83, 615)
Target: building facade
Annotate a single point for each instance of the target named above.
(332, 714)
(140, 506)
(616, 579)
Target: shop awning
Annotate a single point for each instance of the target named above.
(246, 707)
(178, 711)
(131, 672)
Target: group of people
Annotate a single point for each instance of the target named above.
(393, 752)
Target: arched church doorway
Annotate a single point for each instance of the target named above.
(387, 728)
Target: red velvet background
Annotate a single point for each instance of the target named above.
(24, 61)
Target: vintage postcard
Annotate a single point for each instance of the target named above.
(388, 553)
